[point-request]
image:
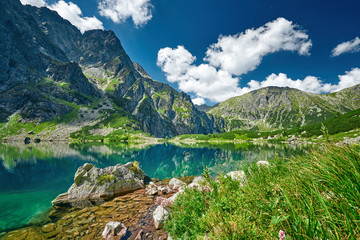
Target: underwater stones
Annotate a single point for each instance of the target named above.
(95, 184)
(23, 234)
(114, 231)
(176, 184)
(159, 216)
(48, 228)
(139, 235)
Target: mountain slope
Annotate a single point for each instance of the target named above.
(51, 74)
(275, 107)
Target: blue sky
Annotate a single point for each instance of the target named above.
(292, 42)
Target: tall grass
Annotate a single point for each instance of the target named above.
(312, 197)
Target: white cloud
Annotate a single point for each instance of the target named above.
(36, 3)
(174, 62)
(243, 52)
(231, 55)
(350, 79)
(349, 46)
(203, 80)
(309, 83)
(73, 13)
(120, 10)
(70, 12)
(198, 101)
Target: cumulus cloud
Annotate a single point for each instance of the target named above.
(120, 10)
(350, 78)
(36, 3)
(175, 62)
(229, 58)
(309, 83)
(70, 12)
(243, 52)
(349, 46)
(73, 14)
(203, 80)
(198, 101)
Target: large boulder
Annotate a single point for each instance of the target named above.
(95, 184)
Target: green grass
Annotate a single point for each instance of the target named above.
(312, 197)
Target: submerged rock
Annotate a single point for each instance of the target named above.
(114, 231)
(48, 228)
(94, 184)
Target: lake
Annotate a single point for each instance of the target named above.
(32, 175)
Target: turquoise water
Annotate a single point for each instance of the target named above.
(31, 176)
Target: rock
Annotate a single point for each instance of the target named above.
(237, 175)
(94, 184)
(114, 230)
(173, 197)
(152, 191)
(176, 184)
(263, 163)
(198, 179)
(48, 228)
(164, 190)
(194, 185)
(159, 216)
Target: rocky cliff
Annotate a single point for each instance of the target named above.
(275, 107)
(51, 73)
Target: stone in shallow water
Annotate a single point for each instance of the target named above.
(114, 230)
(48, 228)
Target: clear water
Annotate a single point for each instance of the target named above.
(31, 176)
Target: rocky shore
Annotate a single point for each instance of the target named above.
(101, 202)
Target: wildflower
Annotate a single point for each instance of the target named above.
(281, 235)
(164, 202)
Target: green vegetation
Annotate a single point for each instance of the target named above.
(312, 197)
(125, 128)
(106, 178)
(334, 129)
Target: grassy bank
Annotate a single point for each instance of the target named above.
(311, 197)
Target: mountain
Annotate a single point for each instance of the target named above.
(275, 108)
(55, 81)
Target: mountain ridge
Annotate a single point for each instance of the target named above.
(283, 107)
